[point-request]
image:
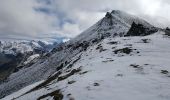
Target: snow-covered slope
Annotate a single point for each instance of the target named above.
(20, 54)
(108, 71)
(99, 64)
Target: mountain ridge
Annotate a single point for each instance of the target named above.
(101, 45)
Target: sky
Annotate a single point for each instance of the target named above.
(51, 19)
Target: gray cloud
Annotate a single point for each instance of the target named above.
(52, 18)
(86, 12)
(18, 18)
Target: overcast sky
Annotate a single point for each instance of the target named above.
(49, 19)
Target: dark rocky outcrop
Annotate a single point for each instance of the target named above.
(140, 30)
(84, 45)
(123, 50)
(9, 64)
(108, 15)
(167, 31)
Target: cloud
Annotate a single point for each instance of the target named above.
(19, 18)
(46, 19)
(85, 13)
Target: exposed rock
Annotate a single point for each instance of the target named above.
(167, 31)
(108, 15)
(164, 71)
(57, 95)
(96, 84)
(140, 30)
(123, 50)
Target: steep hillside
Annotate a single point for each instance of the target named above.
(118, 68)
(15, 55)
(107, 61)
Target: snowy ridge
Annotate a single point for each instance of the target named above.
(115, 22)
(100, 64)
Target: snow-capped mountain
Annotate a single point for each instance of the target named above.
(15, 47)
(120, 57)
(15, 55)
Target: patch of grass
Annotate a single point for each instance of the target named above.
(164, 71)
(139, 69)
(123, 50)
(146, 40)
(88, 88)
(50, 79)
(135, 66)
(129, 45)
(73, 62)
(83, 72)
(108, 61)
(137, 52)
(96, 84)
(57, 95)
(71, 82)
(74, 71)
(100, 48)
(120, 75)
(113, 47)
(113, 42)
(69, 94)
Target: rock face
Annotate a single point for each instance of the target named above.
(140, 30)
(14, 54)
(8, 64)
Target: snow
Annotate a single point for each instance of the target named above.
(31, 58)
(65, 40)
(147, 84)
(117, 79)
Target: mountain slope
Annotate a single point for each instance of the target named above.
(113, 24)
(114, 73)
(99, 64)
(16, 54)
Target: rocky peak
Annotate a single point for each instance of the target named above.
(108, 15)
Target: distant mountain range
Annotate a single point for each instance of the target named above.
(16, 54)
